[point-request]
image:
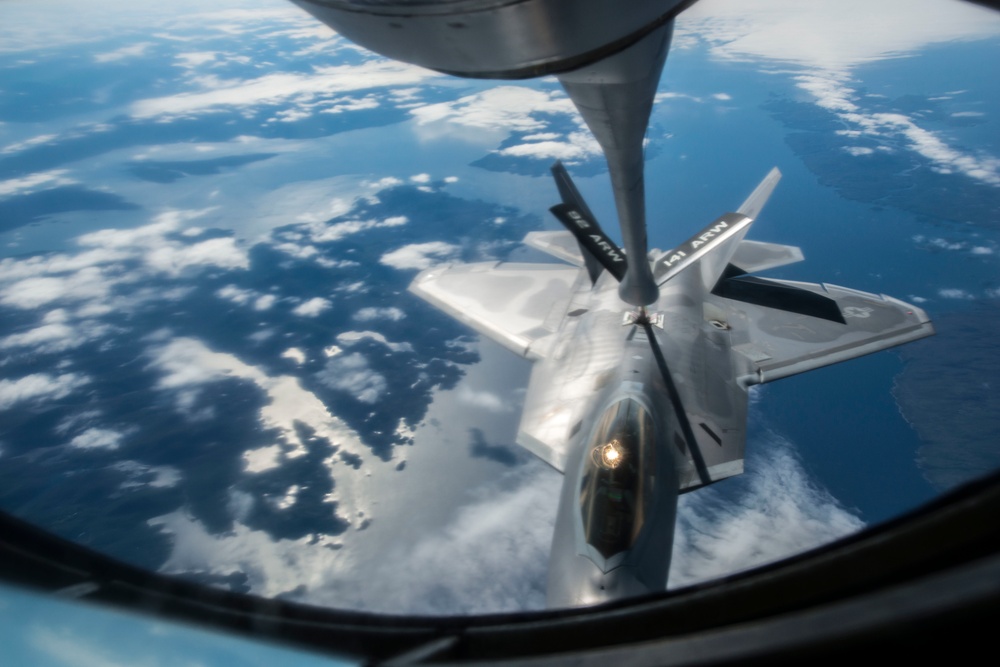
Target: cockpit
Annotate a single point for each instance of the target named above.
(618, 478)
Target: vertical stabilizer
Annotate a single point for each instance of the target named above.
(714, 247)
(715, 264)
(751, 208)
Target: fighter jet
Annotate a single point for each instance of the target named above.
(637, 406)
(633, 404)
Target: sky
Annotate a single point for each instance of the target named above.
(223, 188)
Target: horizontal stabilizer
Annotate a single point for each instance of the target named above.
(512, 304)
(751, 208)
(561, 245)
(714, 247)
(710, 238)
(754, 256)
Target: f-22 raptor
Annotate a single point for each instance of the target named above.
(642, 360)
(636, 406)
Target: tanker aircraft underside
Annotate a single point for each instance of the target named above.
(635, 406)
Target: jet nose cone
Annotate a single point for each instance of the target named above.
(589, 586)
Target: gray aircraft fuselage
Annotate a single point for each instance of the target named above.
(637, 406)
(614, 528)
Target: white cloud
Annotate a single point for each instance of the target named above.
(272, 566)
(303, 90)
(371, 313)
(312, 307)
(981, 250)
(419, 255)
(28, 143)
(195, 58)
(295, 354)
(235, 294)
(291, 495)
(262, 459)
(722, 97)
(944, 244)
(93, 274)
(140, 474)
(88, 283)
(222, 252)
(576, 147)
(349, 338)
(510, 108)
(321, 232)
(830, 91)
(485, 400)
(351, 373)
(519, 109)
(264, 302)
(981, 167)
(859, 150)
(98, 438)
(38, 386)
(491, 556)
(832, 35)
(342, 104)
(541, 136)
(829, 41)
(68, 23)
(289, 116)
(297, 251)
(383, 183)
(42, 180)
(421, 178)
(778, 512)
(953, 293)
(125, 52)
(54, 337)
(57, 335)
(187, 364)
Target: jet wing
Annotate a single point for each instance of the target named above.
(775, 343)
(709, 432)
(517, 305)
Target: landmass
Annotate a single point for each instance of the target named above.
(948, 392)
